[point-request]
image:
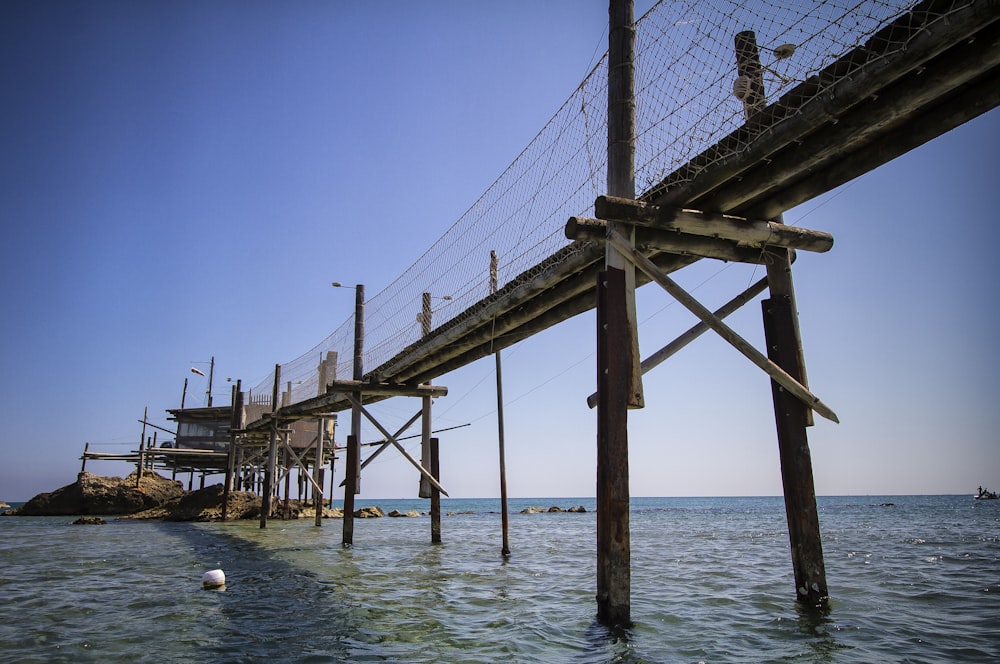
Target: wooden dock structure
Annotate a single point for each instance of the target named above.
(916, 75)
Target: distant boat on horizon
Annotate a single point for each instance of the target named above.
(986, 494)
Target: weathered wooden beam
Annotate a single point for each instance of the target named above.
(723, 330)
(888, 110)
(801, 111)
(975, 99)
(653, 240)
(449, 339)
(752, 232)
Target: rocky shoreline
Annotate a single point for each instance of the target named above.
(157, 498)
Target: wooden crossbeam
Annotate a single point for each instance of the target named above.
(392, 439)
(778, 374)
(674, 242)
(751, 232)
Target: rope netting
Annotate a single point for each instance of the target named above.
(687, 100)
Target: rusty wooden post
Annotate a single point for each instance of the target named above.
(791, 415)
(613, 535)
(619, 378)
(435, 493)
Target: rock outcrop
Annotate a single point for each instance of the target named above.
(94, 494)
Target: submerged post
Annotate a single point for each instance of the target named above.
(619, 381)
(435, 493)
(791, 415)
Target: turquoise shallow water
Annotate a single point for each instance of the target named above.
(914, 581)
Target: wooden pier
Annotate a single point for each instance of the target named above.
(921, 74)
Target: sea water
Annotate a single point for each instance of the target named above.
(912, 579)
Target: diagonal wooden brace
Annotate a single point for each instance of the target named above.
(778, 374)
(381, 448)
(299, 462)
(392, 439)
(668, 351)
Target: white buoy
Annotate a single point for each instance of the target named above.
(213, 578)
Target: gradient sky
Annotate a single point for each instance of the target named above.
(182, 180)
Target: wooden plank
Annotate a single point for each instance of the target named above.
(724, 331)
(435, 451)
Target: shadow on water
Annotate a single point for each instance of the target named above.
(269, 609)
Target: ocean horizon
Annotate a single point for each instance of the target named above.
(911, 578)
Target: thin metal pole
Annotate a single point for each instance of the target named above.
(504, 512)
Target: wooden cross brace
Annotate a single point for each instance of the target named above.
(392, 439)
(299, 462)
(778, 374)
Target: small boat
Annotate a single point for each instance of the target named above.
(986, 494)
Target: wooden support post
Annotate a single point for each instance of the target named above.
(83, 465)
(235, 424)
(272, 453)
(504, 512)
(796, 462)
(286, 462)
(621, 165)
(350, 483)
(318, 471)
(619, 379)
(613, 535)
(142, 439)
(792, 416)
(424, 490)
(435, 493)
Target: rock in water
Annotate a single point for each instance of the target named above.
(93, 494)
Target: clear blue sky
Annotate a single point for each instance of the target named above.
(185, 179)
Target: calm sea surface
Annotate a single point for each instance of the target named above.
(912, 579)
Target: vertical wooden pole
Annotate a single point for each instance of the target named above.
(235, 424)
(352, 485)
(425, 419)
(272, 453)
(792, 417)
(318, 471)
(621, 166)
(83, 465)
(435, 493)
(619, 377)
(286, 462)
(184, 393)
(504, 513)
(613, 534)
(142, 440)
(139, 463)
